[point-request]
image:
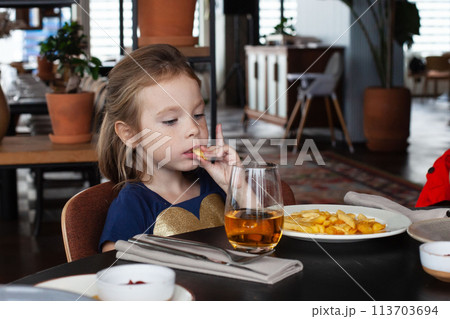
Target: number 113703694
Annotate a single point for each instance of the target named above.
(386, 310)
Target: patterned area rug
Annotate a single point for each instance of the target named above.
(327, 184)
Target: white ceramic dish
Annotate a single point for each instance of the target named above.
(435, 259)
(136, 282)
(86, 285)
(437, 229)
(395, 223)
(30, 293)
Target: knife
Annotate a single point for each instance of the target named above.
(240, 261)
(188, 254)
(185, 242)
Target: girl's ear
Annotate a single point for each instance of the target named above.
(123, 130)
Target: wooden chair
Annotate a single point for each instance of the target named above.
(438, 69)
(82, 220)
(84, 215)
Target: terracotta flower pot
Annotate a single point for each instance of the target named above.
(45, 69)
(387, 118)
(71, 116)
(168, 21)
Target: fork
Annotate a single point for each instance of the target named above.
(179, 252)
(233, 258)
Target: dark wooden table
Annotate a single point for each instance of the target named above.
(383, 269)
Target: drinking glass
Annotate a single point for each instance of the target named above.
(254, 208)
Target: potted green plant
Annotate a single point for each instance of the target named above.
(284, 33)
(386, 108)
(70, 110)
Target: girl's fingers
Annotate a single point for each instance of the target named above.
(205, 163)
(219, 135)
(231, 156)
(214, 152)
(207, 149)
(220, 154)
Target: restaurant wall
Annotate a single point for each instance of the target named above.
(325, 19)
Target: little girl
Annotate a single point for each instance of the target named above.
(154, 115)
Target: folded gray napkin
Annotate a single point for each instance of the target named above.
(375, 201)
(271, 269)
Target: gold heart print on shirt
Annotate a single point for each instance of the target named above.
(177, 220)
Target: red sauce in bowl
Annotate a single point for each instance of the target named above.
(139, 282)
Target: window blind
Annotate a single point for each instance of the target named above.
(269, 15)
(105, 31)
(434, 35)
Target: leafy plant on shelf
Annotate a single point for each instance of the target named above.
(67, 47)
(285, 27)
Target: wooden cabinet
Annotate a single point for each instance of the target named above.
(266, 72)
(269, 95)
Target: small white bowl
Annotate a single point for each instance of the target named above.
(114, 283)
(435, 259)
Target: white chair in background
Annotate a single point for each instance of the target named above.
(319, 85)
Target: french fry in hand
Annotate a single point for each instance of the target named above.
(199, 152)
(314, 221)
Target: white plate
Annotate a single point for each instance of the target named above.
(85, 285)
(437, 229)
(396, 223)
(29, 293)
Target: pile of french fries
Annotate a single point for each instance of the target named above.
(314, 221)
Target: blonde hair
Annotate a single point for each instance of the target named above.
(142, 68)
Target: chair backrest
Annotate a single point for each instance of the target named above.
(335, 67)
(288, 194)
(83, 218)
(326, 84)
(84, 215)
(437, 63)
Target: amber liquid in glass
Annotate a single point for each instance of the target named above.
(254, 231)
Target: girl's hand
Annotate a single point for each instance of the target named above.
(224, 158)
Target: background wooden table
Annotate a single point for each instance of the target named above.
(39, 153)
(25, 151)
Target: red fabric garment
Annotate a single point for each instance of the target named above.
(437, 187)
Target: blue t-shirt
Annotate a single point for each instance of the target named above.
(135, 209)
